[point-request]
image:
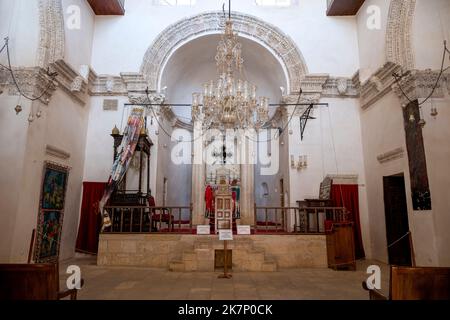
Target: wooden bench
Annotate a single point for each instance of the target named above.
(32, 282)
(415, 283)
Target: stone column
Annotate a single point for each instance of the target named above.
(198, 176)
(247, 194)
(247, 160)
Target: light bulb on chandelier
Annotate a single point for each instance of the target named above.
(229, 102)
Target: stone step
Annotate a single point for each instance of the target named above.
(176, 266)
(256, 256)
(269, 266)
(190, 265)
(189, 256)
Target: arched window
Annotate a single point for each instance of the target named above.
(276, 3)
(264, 190)
(174, 2)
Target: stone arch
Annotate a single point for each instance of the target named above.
(273, 39)
(51, 34)
(398, 33)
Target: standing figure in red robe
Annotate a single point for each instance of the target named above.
(209, 200)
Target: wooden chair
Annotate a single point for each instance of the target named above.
(32, 282)
(415, 283)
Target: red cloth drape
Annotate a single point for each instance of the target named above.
(90, 219)
(347, 196)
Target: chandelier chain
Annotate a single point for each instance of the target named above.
(16, 84)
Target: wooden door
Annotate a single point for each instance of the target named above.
(397, 226)
(223, 214)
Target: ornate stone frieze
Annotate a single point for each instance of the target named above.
(397, 153)
(106, 85)
(133, 81)
(340, 87)
(70, 81)
(212, 22)
(398, 33)
(356, 82)
(315, 86)
(419, 84)
(378, 85)
(34, 82)
(142, 98)
(305, 98)
(109, 85)
(77, 84)
(51, 34)
(313, 83)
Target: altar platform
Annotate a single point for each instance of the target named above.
(165, 237)
(187, 252)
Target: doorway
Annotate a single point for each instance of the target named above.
(397, 225)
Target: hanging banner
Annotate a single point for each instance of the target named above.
(125, 154)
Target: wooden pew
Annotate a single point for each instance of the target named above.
(415, 283)
(32, 282)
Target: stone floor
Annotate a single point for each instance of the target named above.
(125, 283)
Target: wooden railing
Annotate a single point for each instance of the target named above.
(312, 219)
(145, 219)
(274, 219)
(297, 219)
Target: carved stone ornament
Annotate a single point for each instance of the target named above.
(77, 84)
(32, 81)
(211, 22)
(342, 85)
(51, 35)
(142, 98)
(398, 33)
(109, 85)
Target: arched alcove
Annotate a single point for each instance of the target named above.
(193, 64)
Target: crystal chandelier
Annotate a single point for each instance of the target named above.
(229, 102)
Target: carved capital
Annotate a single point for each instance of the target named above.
(51, 32)
(313, 83)
(70, 81)
(379, 84)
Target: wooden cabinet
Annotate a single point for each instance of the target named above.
(341, 247)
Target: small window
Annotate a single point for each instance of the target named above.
(174, 2)
(276, 3)
(265, 190)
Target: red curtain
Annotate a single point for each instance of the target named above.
(90, 219)
(347, 196)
